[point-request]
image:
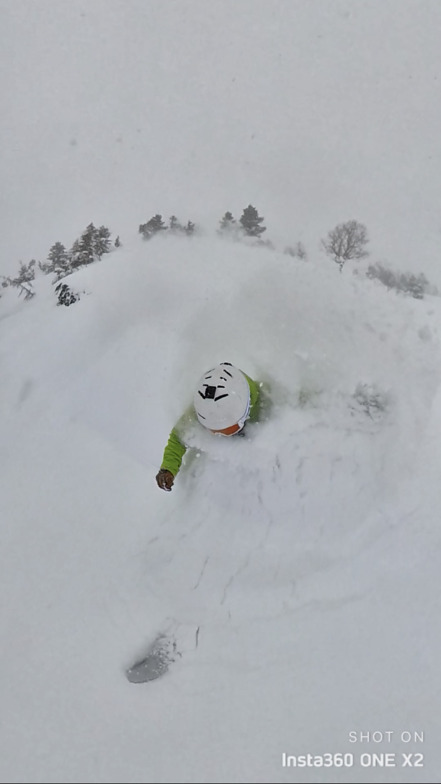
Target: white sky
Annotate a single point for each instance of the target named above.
(315, 112)
(298, 567)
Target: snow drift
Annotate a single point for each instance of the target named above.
(295, 568)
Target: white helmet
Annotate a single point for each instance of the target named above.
(222, 399)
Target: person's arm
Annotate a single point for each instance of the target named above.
(173, 453)
(254, 398)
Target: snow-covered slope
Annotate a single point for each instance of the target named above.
(298, 568)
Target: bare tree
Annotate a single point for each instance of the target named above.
(347, 241)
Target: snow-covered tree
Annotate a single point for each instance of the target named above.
(65, 295)
(24, 279)
(83, 249)
(152, 227)
(26, 273)
(58, 261)
(101, 241)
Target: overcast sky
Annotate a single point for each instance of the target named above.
(315, 112)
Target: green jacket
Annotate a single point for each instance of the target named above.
(176, 449)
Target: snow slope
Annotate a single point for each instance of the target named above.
(297, 568)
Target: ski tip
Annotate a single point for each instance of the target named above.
(139, 674)
(155, 663)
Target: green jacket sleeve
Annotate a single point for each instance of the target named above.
(173, 453)
(176, 449)
(254, 399)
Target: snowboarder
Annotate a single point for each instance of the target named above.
(224, 399)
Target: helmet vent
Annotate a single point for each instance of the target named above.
(209, 393)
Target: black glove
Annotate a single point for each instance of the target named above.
(165, 479)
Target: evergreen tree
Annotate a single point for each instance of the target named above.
(174, 225)
(250, 222)
(83, 250)
(228, 225)
(190, 228)
(59, 261)
(101, 241)
(152, 227)
(74, 254)
(117, 242)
